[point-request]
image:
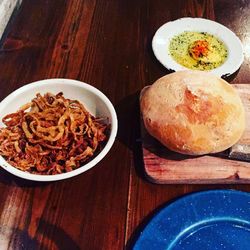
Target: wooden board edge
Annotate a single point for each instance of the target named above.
(195, 181)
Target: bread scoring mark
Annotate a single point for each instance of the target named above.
(204, 108)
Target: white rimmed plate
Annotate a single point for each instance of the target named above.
(92, 98)
(167, 31)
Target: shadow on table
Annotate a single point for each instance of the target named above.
(128, 113)
(231, 77)
(7, 178)
(20, 239)
(60, 238)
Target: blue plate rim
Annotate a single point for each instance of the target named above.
(177, 201)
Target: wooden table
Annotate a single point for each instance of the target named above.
(108, 45)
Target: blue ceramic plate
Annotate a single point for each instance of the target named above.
(211, 220)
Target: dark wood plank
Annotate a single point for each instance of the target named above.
(70, 39)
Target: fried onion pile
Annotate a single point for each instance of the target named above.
(52, 135)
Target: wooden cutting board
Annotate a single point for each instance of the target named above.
(165, 167)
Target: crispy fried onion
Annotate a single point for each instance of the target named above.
(52, 135)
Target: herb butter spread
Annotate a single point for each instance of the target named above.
(198, 50)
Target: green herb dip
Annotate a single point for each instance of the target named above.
(186, 49)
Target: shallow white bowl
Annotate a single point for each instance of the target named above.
(167, 31)
(94, 101)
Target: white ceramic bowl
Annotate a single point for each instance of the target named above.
(94, 101)
(167, 31)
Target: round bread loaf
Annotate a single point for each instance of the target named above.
(193, 112)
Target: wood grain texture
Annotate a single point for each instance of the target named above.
(62, 39)
(164, 166)
(107, 44)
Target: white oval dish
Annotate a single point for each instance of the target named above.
(94, 101)
(167, 31)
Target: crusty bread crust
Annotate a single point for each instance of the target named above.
(193, 112)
